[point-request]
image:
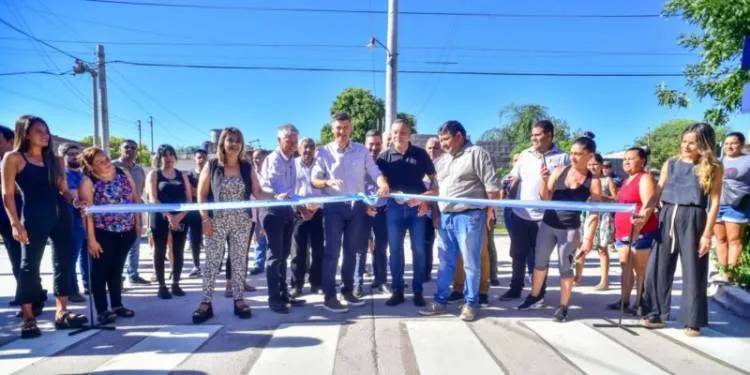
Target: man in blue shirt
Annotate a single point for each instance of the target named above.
(70, 153)
(278, 177)
(405, 166)
(340, 170)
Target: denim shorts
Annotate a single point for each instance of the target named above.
(644, 242)
(732, 214)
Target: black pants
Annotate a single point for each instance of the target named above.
(279, 225)
(522, 249)
(56, 227)
(429, 243)
(680, 229)
(195, 226)
(308, 235)
(106, 270)
(160, 231)
(13, 247)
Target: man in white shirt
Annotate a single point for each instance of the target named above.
(524, 222)
(308, 226)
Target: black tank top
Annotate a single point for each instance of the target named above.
(170, 190)
(39, 191)
(682, 186)
(567, 219)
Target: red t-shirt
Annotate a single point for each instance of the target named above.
(630, 193)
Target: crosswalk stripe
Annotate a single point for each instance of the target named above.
(299, 349)
(160, 351)
(731, 350)
(446, 347)
(590, 350)
(21, 353)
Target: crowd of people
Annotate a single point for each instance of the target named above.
(45, 197)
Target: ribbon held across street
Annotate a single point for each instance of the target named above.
(369, 199)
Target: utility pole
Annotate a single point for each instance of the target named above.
(103, 94)
(97, 141)
(151, 125)
(140, 140)
(391, 68)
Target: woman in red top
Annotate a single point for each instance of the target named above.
(639, 188)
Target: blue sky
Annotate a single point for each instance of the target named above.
(187, 103)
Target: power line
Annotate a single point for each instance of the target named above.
(360, 70)
(369, 11)
(6, 23)
(31, 72)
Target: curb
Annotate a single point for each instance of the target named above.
(734, 299)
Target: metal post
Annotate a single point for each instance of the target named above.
(97, 141)
(391, 68)
(104, 102)
(140, 140)
(151, 125)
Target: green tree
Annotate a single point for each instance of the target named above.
(143, 157)
(366, 110)
(516, 122)
(722, 26)
(664, 140)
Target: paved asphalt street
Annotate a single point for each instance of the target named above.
(373, 339)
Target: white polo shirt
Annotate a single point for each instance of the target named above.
(527, 172)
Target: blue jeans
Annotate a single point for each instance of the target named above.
(344, 224)
(401, 217)
(78, 254)
(460, 235)
(260, 252)
(134, 256)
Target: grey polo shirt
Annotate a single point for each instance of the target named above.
(351, 165)
(136, 171)
(467, 174)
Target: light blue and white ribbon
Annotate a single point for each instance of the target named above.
(366, 198)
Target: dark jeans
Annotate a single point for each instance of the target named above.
(378, 226)
(279, 225)
(400, 219)
(308, 235)
(78, 255)
(522, 249)
(195, 230)
(57, 228)
(429, 243)
(13, 247)
(106, 270)
(160, 233)
(345, 224)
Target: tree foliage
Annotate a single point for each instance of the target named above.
(515, 126)
(366, 110)
(664, 140)
(143, 157)
(722, 24)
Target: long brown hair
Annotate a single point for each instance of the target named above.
(708, 165)
(21, 145)
(221, 154)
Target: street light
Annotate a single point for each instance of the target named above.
(81, 67)
(390, 81)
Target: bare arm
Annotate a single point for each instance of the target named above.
(593, 222)
(136, 199)
(647, 189)
(613, 191)
(204, 184)
(548, 185)
(714, 197)
(87, 197)
(62, 185)
(258, 192)
(11, 166)
(151, 186)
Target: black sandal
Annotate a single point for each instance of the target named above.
(29, 329)
(244, 311)
(200, 315)
(70, 320)
(123, 312)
